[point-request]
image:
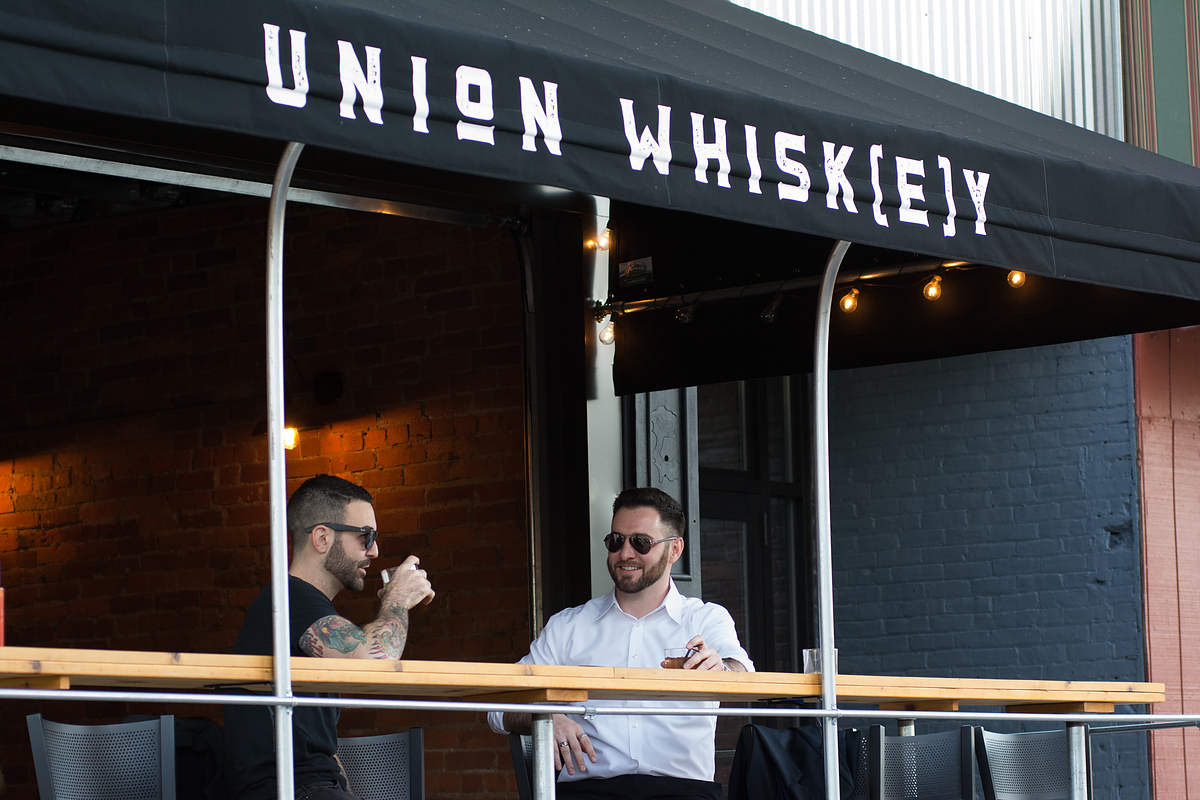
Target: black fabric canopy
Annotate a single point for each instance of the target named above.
(776, 114)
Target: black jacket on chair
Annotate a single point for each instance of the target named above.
(771, 764)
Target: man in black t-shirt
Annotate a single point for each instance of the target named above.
(333, 529)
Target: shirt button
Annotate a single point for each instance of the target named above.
(635, 724)
(635, 655)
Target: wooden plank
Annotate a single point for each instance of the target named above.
(37, 682)
(532, 696)
(1061, 708)
(1152, 374)
(468, 679)
(924, 705)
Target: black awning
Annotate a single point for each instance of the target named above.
(581, 96)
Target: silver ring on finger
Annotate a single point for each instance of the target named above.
(564, 744)
(583, 736)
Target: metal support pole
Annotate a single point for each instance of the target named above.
(906, 727)
(1077, 760)
(543, 757)
(277, 474)
(824, 526)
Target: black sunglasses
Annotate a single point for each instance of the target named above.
(640, 541)
(369, 533)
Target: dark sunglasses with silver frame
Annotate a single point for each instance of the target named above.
(640, 542)
(369, 533)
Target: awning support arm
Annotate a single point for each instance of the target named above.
(824, 527)
(277, 487)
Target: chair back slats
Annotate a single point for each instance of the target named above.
(129, 761)
(386, 767)
(933, 766)
(1023, 766)
(521, 748)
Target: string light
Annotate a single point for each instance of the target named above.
(849, 301)
(933, 289)
(609, 333)
(291, 437)
(1016, 279)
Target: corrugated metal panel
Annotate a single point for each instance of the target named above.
(1059, 57)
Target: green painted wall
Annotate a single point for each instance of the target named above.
(1167, 30)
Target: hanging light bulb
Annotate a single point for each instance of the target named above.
(849, 301)
(933, 289)
(685, 314)
(290, 438)
(608, 334)
(1016, 279)
(768, 313)
(605, 239)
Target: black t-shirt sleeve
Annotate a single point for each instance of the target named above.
(307, 604)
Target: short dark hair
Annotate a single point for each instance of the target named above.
(668, 508)
(322, 498)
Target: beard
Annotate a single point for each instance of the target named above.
(649, 575)
(343, 568)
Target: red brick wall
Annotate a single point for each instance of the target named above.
(132, 493)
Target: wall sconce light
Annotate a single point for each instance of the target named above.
(933, 289)
(601, 242)
(768, 313)
(327, 388)
(849, 301)
(1016, 279)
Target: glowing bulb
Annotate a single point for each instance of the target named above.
(609, 334)
(290, 438)
(933, 289)
(605, 239)
(849, 301)
(1016, 279)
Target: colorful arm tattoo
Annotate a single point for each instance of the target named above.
(333, 632)
(389, 635)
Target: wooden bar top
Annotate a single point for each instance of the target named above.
(38, 667)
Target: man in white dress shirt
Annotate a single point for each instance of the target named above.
(637, 757)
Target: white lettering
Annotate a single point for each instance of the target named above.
(354, 82)
(783, 143)
(482, 109)
(646, 146)
(752, 157)
(978, 189)
(951, 209)
(835, 176)
(420, 96)
(535, 116)
(297, 97)
(911, 191)
(877, 206)
(715, 150)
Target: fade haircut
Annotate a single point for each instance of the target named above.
(668, 508)
(320, 499)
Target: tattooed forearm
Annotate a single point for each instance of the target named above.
(333, 632)
(389, 635)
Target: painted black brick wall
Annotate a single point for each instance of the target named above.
(984, 518)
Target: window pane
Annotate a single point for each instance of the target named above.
(722, 439)
(783, 595)
(779, 430)
(723, 580)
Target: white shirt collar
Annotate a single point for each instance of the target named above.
(673, 603)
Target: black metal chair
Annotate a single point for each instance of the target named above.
(933, 766)
(128, 761)
(386, 767)
(1023, 766)
(522, 756)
